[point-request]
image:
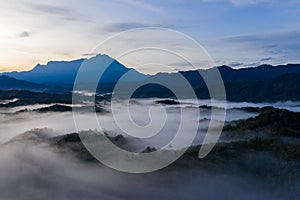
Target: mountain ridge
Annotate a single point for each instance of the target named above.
(261, 83)
(9, 83)
(65, 72)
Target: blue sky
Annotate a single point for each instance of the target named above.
(239, 33)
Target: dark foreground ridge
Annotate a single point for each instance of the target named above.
(276, 144)
(55, 108)
(278, 121)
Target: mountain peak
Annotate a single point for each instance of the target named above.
(65, 72)
(225, 67)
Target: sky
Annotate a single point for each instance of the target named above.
(238, 33)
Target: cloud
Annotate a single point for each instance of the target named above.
(24, 34)
(278, 48)
(142, 5)
(254, 64)
(241, 2)
(36, 168)
(236, 64)
(89, 54)
(269, 3)
(270, 46)
(248, 2)
(266, 59)
(57, 10)
(288, 40)
(242, 38)
(51, 9)
(119, 27)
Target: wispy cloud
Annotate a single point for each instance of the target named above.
(24, 34)
(242, 2)
(89, 54)
(249, 2)
(273, 48)
(233, 31)
(236, 64)
(60, 11)
(288, 39)
(266, 59)
(118, 27)
(142, 5)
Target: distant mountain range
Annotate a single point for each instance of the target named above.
(9, 83)
(63, 73)
(257, 84)
(262, 83)
(55, 72)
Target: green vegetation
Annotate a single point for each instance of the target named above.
(30, 98)
(55, 108)
(168, 102)
(279, 121)
(274, 146)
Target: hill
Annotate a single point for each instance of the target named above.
(8, 83)
(277, 121)
(263, 83)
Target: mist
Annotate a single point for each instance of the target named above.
(13, 123)
(32, 168)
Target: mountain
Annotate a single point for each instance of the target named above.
(230, 75)
(55, 72)
(63, 73)
(262, 72)
(257, 84)
(282, 88)
(8, 83)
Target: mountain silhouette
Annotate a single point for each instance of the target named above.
(8, 83)
(262, 72)
(63, 73)
(262, 83)
(230, 75)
